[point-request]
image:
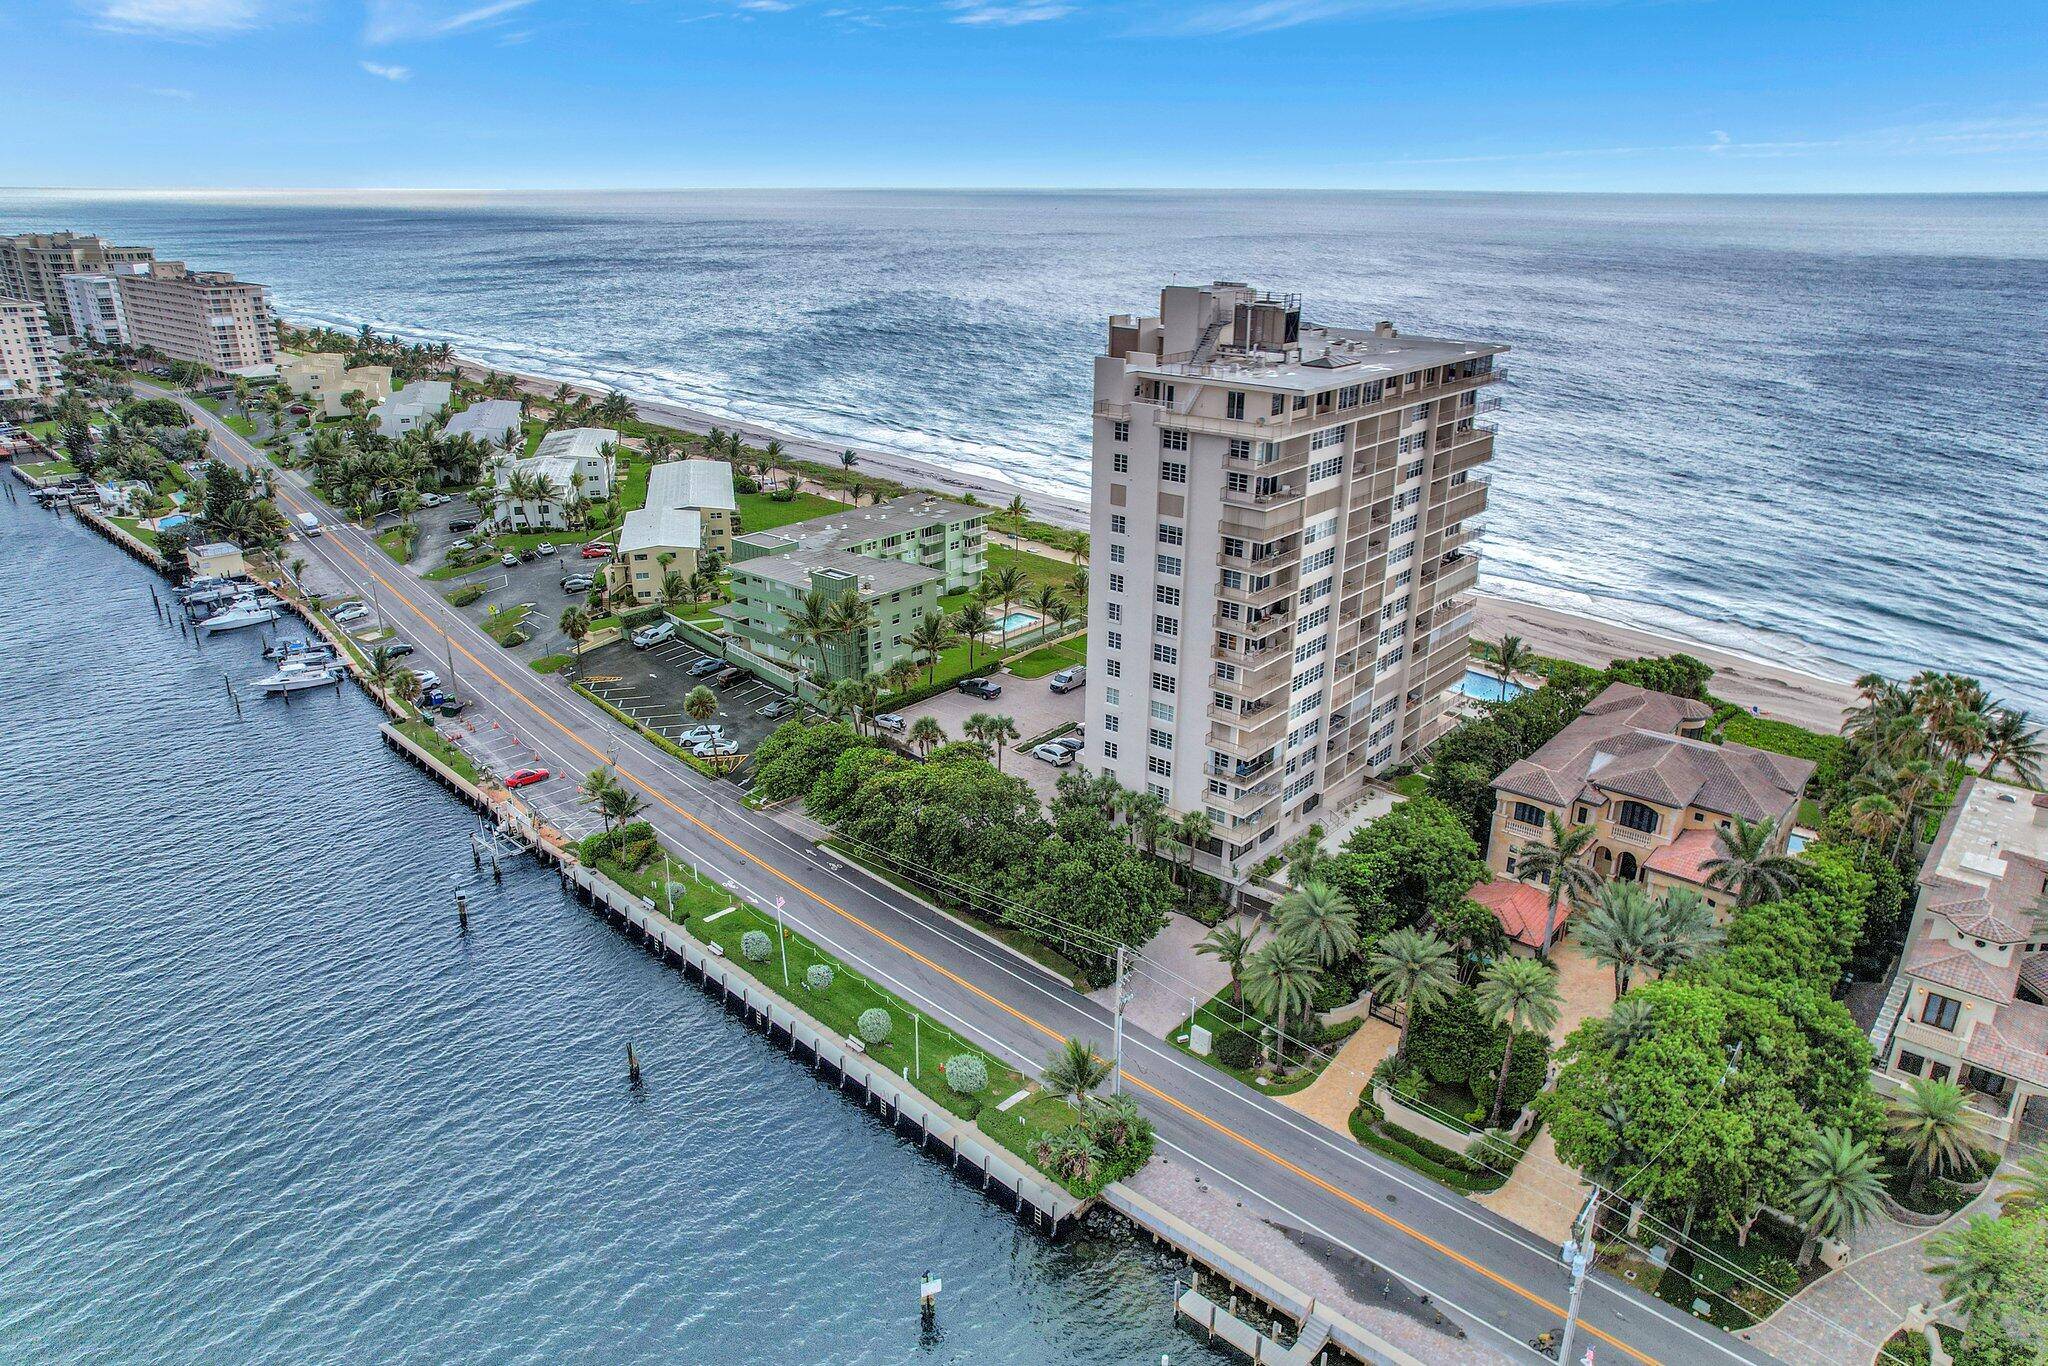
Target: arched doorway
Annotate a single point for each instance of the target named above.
(1626, 869)
(1603, 861)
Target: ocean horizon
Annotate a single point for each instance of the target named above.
(1801, 427)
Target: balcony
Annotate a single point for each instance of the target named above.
(1278, 588)
(1256, 680)
(1242, 770)
(1119, 411)
(1251, 620)
(1250, 741)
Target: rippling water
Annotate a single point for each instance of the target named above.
(262, 1103)
(1808, 427)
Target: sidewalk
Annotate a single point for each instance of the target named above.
(1845, 1316)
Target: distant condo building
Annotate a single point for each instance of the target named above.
(28, 353)
(207, 317)
(1281, 538)
(94, 304)
(33, 266)
(326, 379)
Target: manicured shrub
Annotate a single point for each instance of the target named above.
(756, 946)
(875, 1026)
(1235, 1049)
(966, 1074)
(818, 977)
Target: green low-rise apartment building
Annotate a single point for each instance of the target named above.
(931, 533)
(767, 603)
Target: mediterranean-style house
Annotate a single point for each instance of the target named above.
(1969, 1003)
(1635, 765)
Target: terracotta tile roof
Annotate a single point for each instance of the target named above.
(1626, 744)
(1523, 910)
(1934, 960)
(2034, 974)
(2005, 910)
(2013, 1042)
(1683, 857)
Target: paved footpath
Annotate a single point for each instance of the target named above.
(1498, 1281)
(1845, 1316)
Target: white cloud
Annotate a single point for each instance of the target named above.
(995, 14)
(1267, 15)
(389, 73)
(1966, 137)
(179, 18)
(766, 6)
(390, 21)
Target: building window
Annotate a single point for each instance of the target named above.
(1940, 1011)
(1279, 404)
(1171, 533)
(1109, 749)
(1165, 654)
(1110, 722)
(1166, 595)
(1911, 1062)
(1116, 554)
(1116, 583)
(1404, 526)
(1634, 815)
(1173, 472)
(1165, 626)
(1118, 524)
(1112, 696)
(1164, 683)
(1172, 439)
(1326, 469)
(1161, 739)
(1233, 405)
(1113, 668)
(1163, 711)
(1120, 462)
(1160, 765)
(1236, 481)
(1116, 611)
(1116, 640)
(1120, 431)
(1326, 438)
(1168, 564)
(1240, 448)
(1528, 813)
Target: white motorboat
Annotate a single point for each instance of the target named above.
(298, 647)
(240, 616)
(294, 675)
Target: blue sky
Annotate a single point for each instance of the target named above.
(1686, 95)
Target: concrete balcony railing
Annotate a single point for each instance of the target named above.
(1119, 411)
(1248, 741)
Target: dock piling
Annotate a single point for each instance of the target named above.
(227, 683)
(462, 912)
(632, 1065)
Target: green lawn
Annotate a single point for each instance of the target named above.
(506, 627)
(392, 542)
(1037, 568)
(760, 511)
(917, 1047)
(236, 422)
(1412, 785)
(551, 664)
(134, 527)
(1048, 659)
(1219, 1013)
(423, 734)
(49, 469)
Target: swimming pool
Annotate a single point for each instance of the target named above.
(1016, 621)
(1483, 686)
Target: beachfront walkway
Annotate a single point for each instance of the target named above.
(1845, 1316)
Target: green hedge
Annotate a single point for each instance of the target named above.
(671, 747)
(1433, 1160)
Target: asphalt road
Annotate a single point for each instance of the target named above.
(1493, 1277)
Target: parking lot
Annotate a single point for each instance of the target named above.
(1030, 702)
(500, 752)
(650, 685)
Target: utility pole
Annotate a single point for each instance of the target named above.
(1123, 998)
(1578, 1256)
(782, 938)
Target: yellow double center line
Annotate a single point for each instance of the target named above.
(1252, 1145)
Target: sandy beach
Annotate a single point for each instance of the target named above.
(1774, 690)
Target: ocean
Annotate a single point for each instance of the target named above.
(1809, 429)
(261, 1102)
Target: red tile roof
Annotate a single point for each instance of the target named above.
(1523, 911)
(1683, 857)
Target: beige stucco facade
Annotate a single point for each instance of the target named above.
(325, 378)
(28, 353)
(204, 316)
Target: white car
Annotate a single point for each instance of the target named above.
(1059, 756)
(348, 612)
(429, 680)
(654, 635)
(890, 720)
(432, 500)
(509, 559)
(546, 547)
(715, 749)
(697, 735)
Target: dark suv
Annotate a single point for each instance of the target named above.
(980, 687)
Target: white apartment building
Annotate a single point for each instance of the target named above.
(1281, 534)
(93, 302)
(204, 316)
(33, 266)
(573, 462)
(416, 405)
(28, 353)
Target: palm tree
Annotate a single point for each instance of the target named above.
(1520, 993)
(925, 735)
(1415, 968)
(1004, 585)
(1560, 864)
(1875, 818)
(848, 459)
(1628, 1024)
(619, 804)
(2029, 1188)
(1685, 929)
(999, 731)
(1018, 512)
(900, 675)
(852, 618)
(1231, 946)
(2012, 739)
(1069, 1154)
(812, 624)
(1507, 657)
(675, 588)
(575, 624)
(1834, 1187)
(1319, 916)
(700, 704)
(1747, 864)
(384, 669)
(1929, 1119)
(1073, 1072)
(928, 638)
(1970, 1262)
(1620, 932)
(602, 788)
(1281, 979)
(1190, 833)
(973, 623)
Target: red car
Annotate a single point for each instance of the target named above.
(597, 550)
(526, 776)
